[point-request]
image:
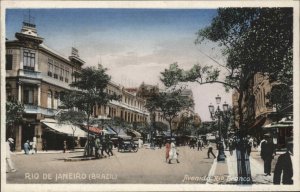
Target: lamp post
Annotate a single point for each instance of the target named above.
(218, 114)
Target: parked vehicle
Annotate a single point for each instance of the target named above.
(128, 145)
(210, 137)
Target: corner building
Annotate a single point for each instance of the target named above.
(36, 75)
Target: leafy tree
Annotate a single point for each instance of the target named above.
(252, 40)
(73, 118)
(14, 116)
(170, 104)
(280, 96)
(90, 90)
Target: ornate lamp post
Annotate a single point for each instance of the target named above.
(218, 114)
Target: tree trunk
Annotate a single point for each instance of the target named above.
(170, 123)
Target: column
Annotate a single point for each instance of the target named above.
(20, 92)
(21, 58)
(39, 94)
(18, 138)
(36, 64)
(38, 135)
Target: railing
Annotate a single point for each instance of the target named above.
(28, 73)
(136, 109)
(44, 77)
(34, 109)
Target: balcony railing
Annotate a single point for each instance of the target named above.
(31, 74)
(34, 109)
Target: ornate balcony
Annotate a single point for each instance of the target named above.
(30, 74)
(34, 109)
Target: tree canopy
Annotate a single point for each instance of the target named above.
(14, 115)
(252, 40)
(89, 91)
(170, 104)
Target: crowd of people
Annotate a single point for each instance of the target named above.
(99, 146)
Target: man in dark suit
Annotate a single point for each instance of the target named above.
(284, 167)
(267, 152)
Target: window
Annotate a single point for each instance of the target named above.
(62, 73)
(9, 59)
(28, 95)
(56, 71)
(49, 99)
(50, 67)
(28, 60)
(67, 75)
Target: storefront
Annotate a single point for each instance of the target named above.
(282, 132)
(54, 135)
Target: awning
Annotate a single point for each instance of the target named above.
(120, 132)
(277, 125)
(135, 133)
(94, 130)
(258, 122)
(65, 129)
(109, 131)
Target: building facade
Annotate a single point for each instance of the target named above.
(36, 75)
(258, 112)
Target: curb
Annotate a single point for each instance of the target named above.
(80, 159)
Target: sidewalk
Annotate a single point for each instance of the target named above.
(226, 172)
(49, 152)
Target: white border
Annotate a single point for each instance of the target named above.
(150, 4)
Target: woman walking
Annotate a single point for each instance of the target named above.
(168, 147)
(173, 153)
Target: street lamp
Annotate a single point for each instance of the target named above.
(218, 114)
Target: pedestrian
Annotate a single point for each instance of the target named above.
(104, 147)
(86, 146)
(97, 147)
(168, 148)
(200, 144)
(159, 143)
(226, 143)
(284, 167)
(231, 146)
(92, 145)
(34, 145)
(173, 155)
(27, 147)
(109, 147)
(192, 144)
(65, 146)
(210, 151)
(44, 145)
(267, 152)
(140, 143)
(9, 164)
(249, 147)
(262, 141)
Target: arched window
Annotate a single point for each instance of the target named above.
(49, 99)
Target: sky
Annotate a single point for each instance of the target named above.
(134, 44)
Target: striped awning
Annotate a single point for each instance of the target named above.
(66, 129)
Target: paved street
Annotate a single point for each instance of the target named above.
(145, 166)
